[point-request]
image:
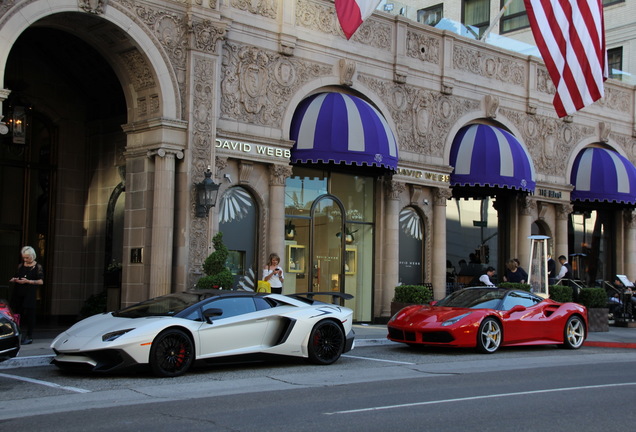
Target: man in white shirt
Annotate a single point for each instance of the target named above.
(485, 278)
(566, 269)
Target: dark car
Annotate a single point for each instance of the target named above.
(9, 332)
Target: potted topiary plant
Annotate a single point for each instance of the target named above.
(595, 300)
(218, 275)
(560, 293)
(406, 295)
(514, 285)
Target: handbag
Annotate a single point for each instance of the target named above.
(264, 287)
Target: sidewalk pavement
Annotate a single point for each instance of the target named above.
(39, 352)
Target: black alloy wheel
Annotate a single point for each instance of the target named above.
(172, 353)
(326, 343)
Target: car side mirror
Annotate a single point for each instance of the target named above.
(211, 313)
(516, 308)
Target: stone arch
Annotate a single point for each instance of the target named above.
(136, 56)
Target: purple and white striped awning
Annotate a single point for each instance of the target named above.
(342, 129)
(603, 175)
(487, 156)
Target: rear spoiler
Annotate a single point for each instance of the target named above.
(335, 295)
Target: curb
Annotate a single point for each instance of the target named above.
(20, 362)
(610, 344)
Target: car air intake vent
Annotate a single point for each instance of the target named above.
(396, 334)
(437, 337)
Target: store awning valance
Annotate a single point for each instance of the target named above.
(336, 128)
(487, 156)
(603, 175)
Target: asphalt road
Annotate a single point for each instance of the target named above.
(372, 389)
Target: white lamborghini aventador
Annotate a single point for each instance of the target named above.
(170, 332)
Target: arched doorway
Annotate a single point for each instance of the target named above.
(238, 221)
(67, 166)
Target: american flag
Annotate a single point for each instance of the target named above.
(570, 35)
(351, 14)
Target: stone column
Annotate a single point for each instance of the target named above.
(391, 245)
(526, 207)
(440, 196)
(561, 231)
(162, 221)
(276, 219)
(630, 244)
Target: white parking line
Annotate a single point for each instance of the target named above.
(414, 404)
(45, 383)
(378, 360)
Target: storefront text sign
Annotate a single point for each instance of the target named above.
(549, 193)
(248, 148)
(426, 175)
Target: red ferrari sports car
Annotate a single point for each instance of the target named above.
(489, 318)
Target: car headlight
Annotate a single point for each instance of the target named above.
(455, 319)
(109, 337)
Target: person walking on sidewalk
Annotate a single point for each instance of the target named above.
(28, 276)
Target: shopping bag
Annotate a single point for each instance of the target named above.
(264, 287)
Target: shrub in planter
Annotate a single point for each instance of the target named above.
(560, 293)
(417, 294)
(514, 285)
(217, 274)
(593, 298)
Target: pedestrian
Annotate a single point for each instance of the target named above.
(566, 269)
(551, 270)
(273, 273)
(514, 272)
(486, 277)
(28, 276)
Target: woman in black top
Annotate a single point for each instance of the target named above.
(27, 277)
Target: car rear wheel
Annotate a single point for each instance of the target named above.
(172, 353)
(574, 333)
(489, 336)
(326, 343)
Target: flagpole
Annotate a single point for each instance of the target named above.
(496, 20)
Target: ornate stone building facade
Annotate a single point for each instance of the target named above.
(129, 104)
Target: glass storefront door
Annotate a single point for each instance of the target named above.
(327, 266)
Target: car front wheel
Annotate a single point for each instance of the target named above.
(489, 336)
(172, 353)
(326, 343)
(574, 333)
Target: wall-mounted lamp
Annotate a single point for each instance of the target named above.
(425, 202)
(16, 123)
(207, 193)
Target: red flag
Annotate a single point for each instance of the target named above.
(351, 13)
(570, 35)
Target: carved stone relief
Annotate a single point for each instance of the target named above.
(321, 16)
(206, 36)
(257, 85)
(394, 189)
(548, 140)
(278, 174)
(423, 47)
(544, 82)
(423, 118)
(488, 65)
(93, 6)
(266, 8)
(140, 73)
